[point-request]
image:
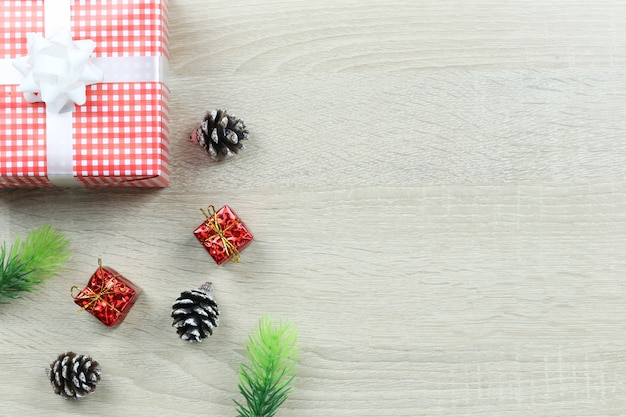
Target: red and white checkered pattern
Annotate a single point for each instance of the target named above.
(120, 135)
(141, 33)
(19, 18)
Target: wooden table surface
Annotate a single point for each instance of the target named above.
(437, 192)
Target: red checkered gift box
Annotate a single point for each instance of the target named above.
(119, 135)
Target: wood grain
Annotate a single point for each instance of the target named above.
(437, 195)
(327, 38)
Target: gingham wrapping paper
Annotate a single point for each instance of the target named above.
(120, 135)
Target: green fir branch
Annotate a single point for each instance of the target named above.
(31, 261)
(267, 380)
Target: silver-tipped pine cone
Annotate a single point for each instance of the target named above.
(195, 313)
(220, 134)
(73, 376)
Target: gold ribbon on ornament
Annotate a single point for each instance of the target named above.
(99, 295)
(212, 223)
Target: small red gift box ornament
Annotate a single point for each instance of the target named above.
(108, 295)
(223, 234)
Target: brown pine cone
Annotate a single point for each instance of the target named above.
(220, 134)
(73, 376)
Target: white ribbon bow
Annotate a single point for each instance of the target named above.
(57, 70)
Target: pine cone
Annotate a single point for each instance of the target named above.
(195, 313)
(220, 134)
(74, 376)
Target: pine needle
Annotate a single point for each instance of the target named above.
(31, 261)
(266, 381)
